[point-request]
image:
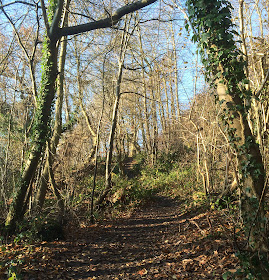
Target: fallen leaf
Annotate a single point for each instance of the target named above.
(142, 272)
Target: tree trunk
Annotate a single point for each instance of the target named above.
(41, 132)
(57, 130)
(146, 126)
(124, 45)
(225, 63)
(85, 114)
(113, 129)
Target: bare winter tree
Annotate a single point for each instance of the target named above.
(52, 17)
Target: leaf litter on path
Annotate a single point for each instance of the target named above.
(160, 241)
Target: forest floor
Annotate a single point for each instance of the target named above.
(161, 240)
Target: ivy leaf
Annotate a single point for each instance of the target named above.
(204, 37)
(194, 38)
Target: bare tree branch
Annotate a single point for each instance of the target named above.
(137, 93)
(3, 61)
(106, 22)
(17, 2)
(263, 84)
(82, 15)
(30, 58)
(45, 17)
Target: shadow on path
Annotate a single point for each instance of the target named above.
(157, 242)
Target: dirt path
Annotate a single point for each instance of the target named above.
(157, 242)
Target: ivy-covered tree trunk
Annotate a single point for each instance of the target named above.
(41, 127)
(57, 129)
(40, 132)
(225, 65)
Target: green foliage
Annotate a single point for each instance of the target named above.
(165, 162)
(40, 130)
(129, 193)
(252, 265)
(140, 162)
(199, 198)
(214, 32)
(51, 9)
(13, 269)
(168, 176)
(37, 228)
(225, 202)
(41, 127)
(11, 265)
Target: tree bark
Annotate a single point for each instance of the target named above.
(57, 130)
(41, 129)
(105, 22)
(113, 128)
